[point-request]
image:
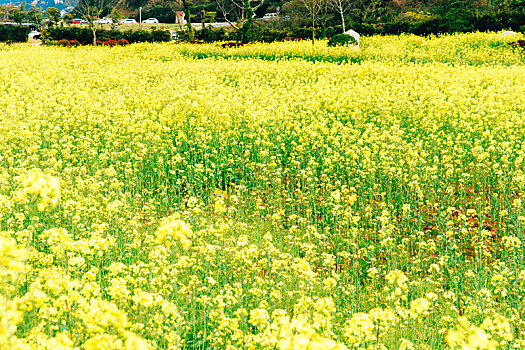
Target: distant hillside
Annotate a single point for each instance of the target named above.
(43, 4)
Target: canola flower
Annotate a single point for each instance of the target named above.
(171, 229)
(468, 336)
(46, 187)
(271, 196)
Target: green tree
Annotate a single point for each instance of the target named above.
(68, 18)
(207, 17)
(518, 7)
(18, 14)
(115, 16)
(35, 15)
(54, 16)
(459, 17)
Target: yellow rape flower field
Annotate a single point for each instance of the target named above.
(275, 196)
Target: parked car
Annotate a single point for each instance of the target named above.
(127, 21)
(269, 15)
(34, 35)
(103, 21)
(78, 21)
(150, 20)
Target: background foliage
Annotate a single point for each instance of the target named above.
(14, 33)
(85, 35)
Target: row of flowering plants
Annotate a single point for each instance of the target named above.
(76, 43)
(85, 35)
(119, 42)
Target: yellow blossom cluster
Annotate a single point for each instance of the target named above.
(467, 336)
(274, 196)
(173, 229)
(46, 187)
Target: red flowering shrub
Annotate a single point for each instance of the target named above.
(110, 43)
(63, 42)
(73, 43)
(122, 42)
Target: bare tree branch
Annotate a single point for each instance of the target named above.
(313, 7)
(245, 19)
(221, 4)
(341, 6)
(90, 11)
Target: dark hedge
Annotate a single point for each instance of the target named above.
(13, 33)
(85, 35)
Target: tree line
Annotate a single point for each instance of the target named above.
(366, 16)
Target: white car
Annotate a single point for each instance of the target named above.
(128, 21)
(103, 21)
(150, 20)
(34, 35)
(270, 15)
